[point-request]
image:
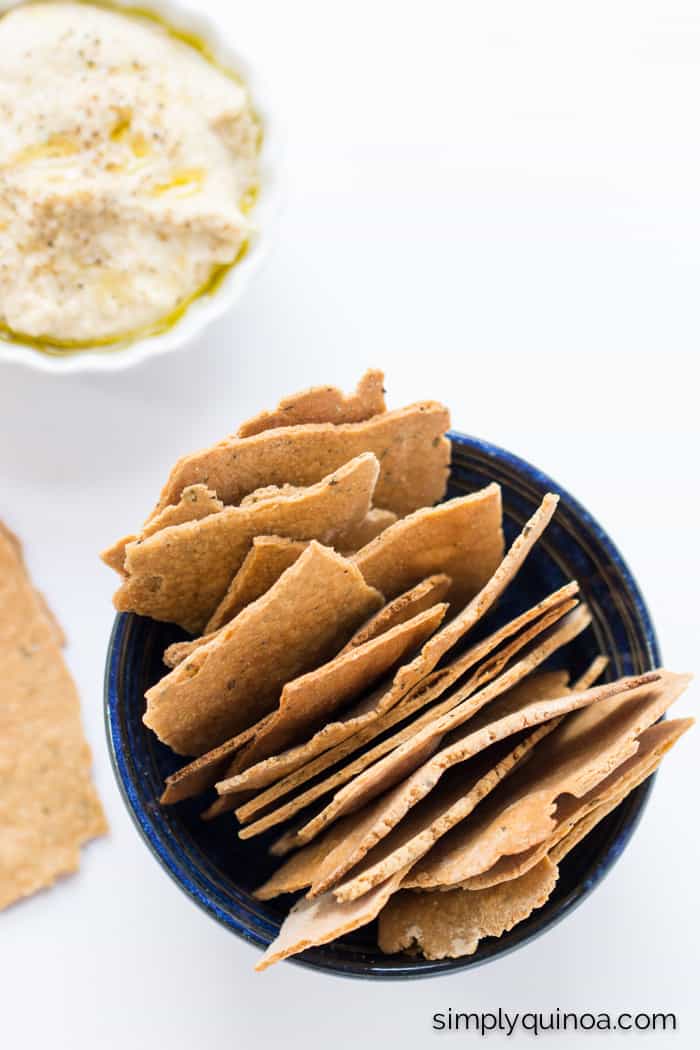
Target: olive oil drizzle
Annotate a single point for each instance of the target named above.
(60, 347)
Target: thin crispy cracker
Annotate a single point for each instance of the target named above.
(462, 538)
(459, 792)
(452, 801)
(232, 681)
(307, 702)
(585, 749)
(319, 921)
(582, 827)
(450, 925)
(181, 573)
(503, 718)
(404, 607)
(323, 404)
(410, 444)
(196, 501)
(337, 740)
(570, 811)
(48, 805)
(410, 755)
(483, 674)
(263, 565)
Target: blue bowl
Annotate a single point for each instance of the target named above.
(218, 871)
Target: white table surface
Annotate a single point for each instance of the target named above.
(499, 205)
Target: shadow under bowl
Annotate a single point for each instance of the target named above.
(218, 870)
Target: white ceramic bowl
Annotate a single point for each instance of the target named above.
(206, 308)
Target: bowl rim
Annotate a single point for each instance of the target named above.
(635, 803)
(207, 308)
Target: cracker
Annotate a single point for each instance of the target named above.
(462, 538)
(453, 801)
(404, 760)
(571, 811)
(48, 804)
(307, 702)
(312, 922)
(410, 444)
(235, 679)
(505, 717)
(585, 749)
(426, 692)
(450, 925)
(363, 723)
(672, 731)
(181, 573)
(323, 404)
(196, 501)
(404, 607)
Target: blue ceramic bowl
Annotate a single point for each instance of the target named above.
(218, 871)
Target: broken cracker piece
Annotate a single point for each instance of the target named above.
(462, 538)
(235, 679)
(410, 444)
(323, 404)
(181, 573)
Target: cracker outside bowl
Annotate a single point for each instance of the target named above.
(220, 876)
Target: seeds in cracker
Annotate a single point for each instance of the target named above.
(323, 404)
(235, 679)
(181, 573)
(48, 805)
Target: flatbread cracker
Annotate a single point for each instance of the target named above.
(462, 538)
(409, 756)
(450, 925)
(196, 501)
(570, 811)
(181, 573)
(308, 701)
(312, 922)
(426, 692)
(585, 749)
(48, 804)
(323, 404)
(263, 565)
(410, 444)
(337, 740)
(404, 607)
(232, 681)
(582, 827)
(363, 723)
(459, 792)
(504, 718)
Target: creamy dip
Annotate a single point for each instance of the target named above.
(127, 166)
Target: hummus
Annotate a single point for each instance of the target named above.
(127, 166)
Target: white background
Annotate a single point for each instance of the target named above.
(498, 203)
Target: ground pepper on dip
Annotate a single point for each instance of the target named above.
(128, 162)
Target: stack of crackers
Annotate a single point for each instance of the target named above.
(335, 687)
